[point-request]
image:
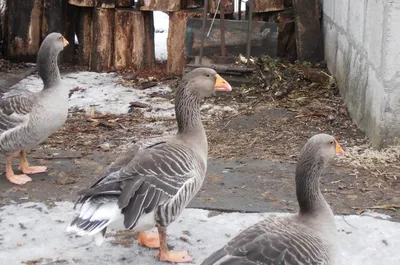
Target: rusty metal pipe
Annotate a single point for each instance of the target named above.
(205, 12)
(222, 26)
(250, 19)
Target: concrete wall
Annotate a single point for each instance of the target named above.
(362, 48)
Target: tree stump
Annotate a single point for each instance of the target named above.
(106, 3)
(85, 35)
(84, 3)
(176, 61)
(23, 29)
(124, 3)
(228, 6)
(102, 40)
(123, 42)
(260, 6)
(143, 42)
(160, 5)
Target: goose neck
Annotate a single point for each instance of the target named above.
(309, 196)
(48, 67)
(187, 111)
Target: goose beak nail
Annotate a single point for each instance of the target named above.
(339, 149)
(65, 42)
(221, 84)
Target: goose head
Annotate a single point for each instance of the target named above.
(204, 82)
(324, 147)
(54, 43)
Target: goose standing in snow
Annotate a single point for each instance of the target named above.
(26, 118)
(306, 238)
(152, 182)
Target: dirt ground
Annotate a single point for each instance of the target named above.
(252, 153)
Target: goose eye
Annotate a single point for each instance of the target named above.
(208, 75)
(331, 142)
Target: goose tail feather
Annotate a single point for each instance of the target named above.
(94, 216)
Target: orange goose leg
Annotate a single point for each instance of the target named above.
(149, 239)
(16, 179)
(24, 166)
(171, 256)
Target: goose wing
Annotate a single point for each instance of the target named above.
(151, 178)
(271, 245)
(15, 109)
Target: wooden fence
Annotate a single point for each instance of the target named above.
(112, 34)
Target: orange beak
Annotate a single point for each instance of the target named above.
(339, 149)
(221, 84)
(65, 42)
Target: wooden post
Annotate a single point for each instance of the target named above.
(123, 42)
(23, 29)
(176, 61)
(102, 40)
(160, 5)
(308, 31)
(143, 42)
(52, 18)
(85, 35)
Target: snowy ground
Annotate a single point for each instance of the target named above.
(104, 93)
(33, 231)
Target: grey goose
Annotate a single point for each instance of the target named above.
(27, 118)
(306, 238)
(151, 182)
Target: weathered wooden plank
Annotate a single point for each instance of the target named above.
(123, 42)
(309, 39)
(227, 5)
(84, 3)
(160, 5)
(260, 6)
(23, 29)
(85, 35)
(176, 61)
(102, 40)
(263, 37)
(52, 18)
(71, 26)
(124, 3)
(143, 56)
(286, 37)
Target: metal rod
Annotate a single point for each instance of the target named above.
(222, 26)
(240, 9)
(204, 30)
(250, 19)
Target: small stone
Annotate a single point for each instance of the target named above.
(331, 117)
(64, 179)
(105, 146)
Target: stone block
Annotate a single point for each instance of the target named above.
(391, 48)
(341, 13)
(354, 95)
(374, 102)
(342, 62)
(330, 45)
(374, 29)
(356, 20)
(328, 7)
(390, 131)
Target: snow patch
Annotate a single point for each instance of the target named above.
(32, 231)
